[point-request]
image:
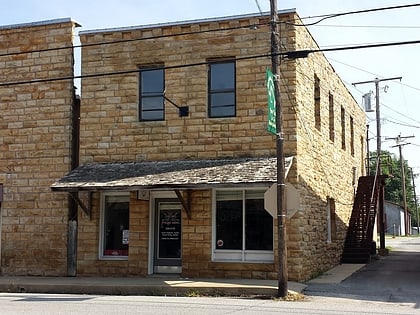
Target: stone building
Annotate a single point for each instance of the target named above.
(35, 141)
(171, 159)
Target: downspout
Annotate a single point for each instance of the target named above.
(72, 204)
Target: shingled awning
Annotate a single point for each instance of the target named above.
(177, 174)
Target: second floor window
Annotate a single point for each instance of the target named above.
(317, 102)
(221, 89)
(152, 87)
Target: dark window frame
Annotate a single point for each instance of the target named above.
(114, 208)
(332, 219)
(317, 102)
(343, 128)
(160, 111)
(351, 135)
(213, 92)
(331, 111)
(238, 229)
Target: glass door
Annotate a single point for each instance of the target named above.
(168, 236)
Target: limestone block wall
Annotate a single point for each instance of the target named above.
(88, 263)
(110, 127)
(329, 153)
(34, 145)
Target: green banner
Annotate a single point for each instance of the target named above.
(271, 124)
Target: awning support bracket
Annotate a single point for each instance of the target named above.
(86, 209)
(186, 204)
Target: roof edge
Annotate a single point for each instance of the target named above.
(39, 23)
(185, 22)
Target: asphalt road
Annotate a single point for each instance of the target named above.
(389, 285)
(44, 304)
(394, 278)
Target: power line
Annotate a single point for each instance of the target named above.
(250, 26)
(290, 54)
(376, 75)
(329, 16)
(382, 104)
(259, 7)
(401, 124)
(370, 26)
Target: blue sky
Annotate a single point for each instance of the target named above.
(400, 106)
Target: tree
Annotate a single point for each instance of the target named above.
(391, 166)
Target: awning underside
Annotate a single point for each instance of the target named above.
(178, 174)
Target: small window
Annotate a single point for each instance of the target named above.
(331, 117)
(343, 128)
(152, 87)
(317, 102)
(331, 220)
(221, 89)
(115, 226)
(243, 228)
(352, 136)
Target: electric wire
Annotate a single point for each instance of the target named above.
(334, 15)
(403, 27)
(382, 104)
(259, 7)
(120, 41)
(201, 31)
(289, 54)
(402, 124)
(310, 135)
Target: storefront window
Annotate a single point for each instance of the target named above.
(243, 228)
(115, 226)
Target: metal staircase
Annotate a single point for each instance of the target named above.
(359, 240)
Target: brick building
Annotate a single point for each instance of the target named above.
(171, 158)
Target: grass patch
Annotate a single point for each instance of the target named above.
(292, 297)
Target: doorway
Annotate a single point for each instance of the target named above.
(168, 236)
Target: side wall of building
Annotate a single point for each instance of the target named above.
(35, 145)
(330, 155)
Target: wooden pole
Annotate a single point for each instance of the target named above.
(281, 212)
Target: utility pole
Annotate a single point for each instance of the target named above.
(404, 197)
(381, 217)
(367, 151)
(415, 200)
(281, 205)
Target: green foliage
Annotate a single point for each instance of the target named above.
(391, 166)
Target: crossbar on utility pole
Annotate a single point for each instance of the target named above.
(381, 217)
(281, 206)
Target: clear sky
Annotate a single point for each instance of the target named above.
(400, 105)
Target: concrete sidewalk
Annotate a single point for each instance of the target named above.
(161, 286)
(337, 274)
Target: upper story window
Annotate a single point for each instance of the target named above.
(317, 102)
(222, 89)
(343, 128)
(351, 136)
(152, 87)
(331, 117)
